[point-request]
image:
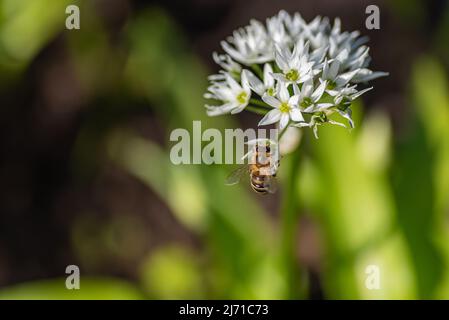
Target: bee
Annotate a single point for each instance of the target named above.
(262, 170)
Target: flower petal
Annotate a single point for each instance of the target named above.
(268, 76)
(272, 101)
(283, 93)
(254, 82)
(316, 95)
(238, 109)
(322, 106)
(235, 87)
(358, 94)
(271, 117)
(307, 88)
(333, 70)
(296, 115)
(296, 90)
(293, 101)
(344, 78)
(285, 118)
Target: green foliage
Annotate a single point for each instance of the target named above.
(90, 289)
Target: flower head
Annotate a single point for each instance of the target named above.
(293, 72)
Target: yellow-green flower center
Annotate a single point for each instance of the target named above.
(284, 107)
(331, 85)
(271, 92)
(292, 75)
(242, 97)
(306, 102)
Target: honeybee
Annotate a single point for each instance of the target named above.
(262, 169)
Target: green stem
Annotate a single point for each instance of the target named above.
(255, 109)
(289, 227)
(258, 70)
(260, 103)
(283, 131)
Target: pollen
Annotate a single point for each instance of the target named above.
(292, 75)
(242, 97)
(285, 107)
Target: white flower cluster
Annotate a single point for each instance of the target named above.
(294, 73)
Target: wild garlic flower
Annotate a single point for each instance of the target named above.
(295, 66)
(235, 96)
(294, 73)
(285, 108)
(249, 45)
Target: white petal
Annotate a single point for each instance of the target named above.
(319, 91)
(337, 123)
(272, 101)
(283, 93)
(279, 77)
(344, 78)
(358, 94)
(238, 109)
(296, 90)
(305, 78)
(254, 82)
(302, 124)
(293, 101)
(347, 115)
(233, 53)
(333, 69)
(296, 115)
(326, 69)
(310, 109)
(271, 117)
(235, 87)
(365, 75)
(280, 61)
(219, 110)
(315, 131)
(285, 118)
(342, 55)
(307, 88)
(322, 106)
(268, 75)
(245, 82)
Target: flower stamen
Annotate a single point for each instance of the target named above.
(292, 75)
(242, 97)
(284, 107)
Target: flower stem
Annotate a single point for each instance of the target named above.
(283, 131)
(289, 227)
(258, 70)
(256, 109)
(260, 103)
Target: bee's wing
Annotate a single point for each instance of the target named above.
(272, 184)
(235, 176)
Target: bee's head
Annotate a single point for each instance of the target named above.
(263, 148)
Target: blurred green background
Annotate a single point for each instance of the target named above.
(85, 176)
